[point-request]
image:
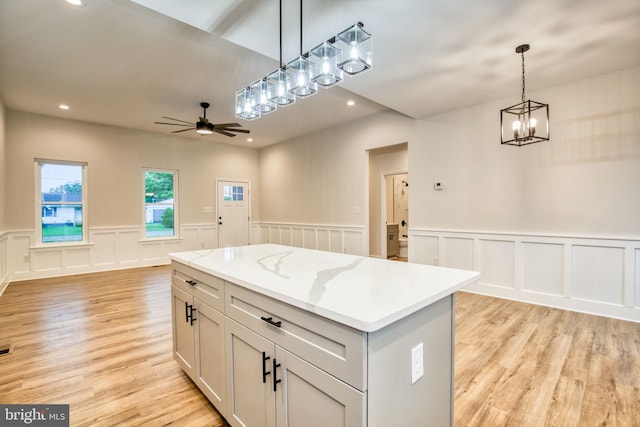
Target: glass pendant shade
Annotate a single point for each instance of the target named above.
(262, 92)
(326, 57)
(524, 123)
(279, 81)
(355, 44)
(246, 105)
(300, 72)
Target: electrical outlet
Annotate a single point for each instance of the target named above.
(417, 363)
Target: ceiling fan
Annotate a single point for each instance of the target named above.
(204, 126)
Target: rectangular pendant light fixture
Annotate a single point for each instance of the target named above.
(347, 52)
(527, 122)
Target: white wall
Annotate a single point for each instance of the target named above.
(555, 223)
(115, 158)
(576, 195)
(584, 181)
(322, 178)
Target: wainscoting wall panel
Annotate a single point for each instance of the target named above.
(334, 238)
(4, 271)
(598, 273)
(459, 253)
(109, 248)
(636, 272)
(497, 262)
(592, 275)
(542, 268)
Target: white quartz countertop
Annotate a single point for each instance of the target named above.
(364, 293)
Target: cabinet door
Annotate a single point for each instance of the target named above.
(309, 397)
(250, 396)
(183, 335)
(210, 362)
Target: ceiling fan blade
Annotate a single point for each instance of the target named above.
(237, 130)
(227, 125)
(173, 124)
(223, 132)
(177, 120)
(182, 130)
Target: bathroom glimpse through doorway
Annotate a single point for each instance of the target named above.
(396, 215)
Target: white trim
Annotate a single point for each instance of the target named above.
(110, 248)
(595, 275)
(349, 239)
(38, 202)
(176, 196)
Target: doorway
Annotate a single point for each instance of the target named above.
(384, 161)
(233, 213)
(396, 216)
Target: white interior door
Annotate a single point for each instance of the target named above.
(233, 213)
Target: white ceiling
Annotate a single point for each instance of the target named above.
(128, 63)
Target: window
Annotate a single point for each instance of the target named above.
(233, 192)
(160, 214)
(61, 201)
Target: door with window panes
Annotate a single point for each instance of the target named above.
(233, 213)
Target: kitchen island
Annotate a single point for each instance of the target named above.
(283, 336)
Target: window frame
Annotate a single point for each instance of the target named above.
(176, 216)
(39, 203)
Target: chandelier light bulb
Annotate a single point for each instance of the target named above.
(532, 126)
(354, 50)
(516, 128)
(326, 67)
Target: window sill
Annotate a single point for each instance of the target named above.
(59, 245)
(160, 239)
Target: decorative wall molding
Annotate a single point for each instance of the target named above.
(109, 248)
(593, 275)
(4, 271)
(333, 238)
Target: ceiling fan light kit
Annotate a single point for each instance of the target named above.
(347, 52)
(203, 126)
(527, 122)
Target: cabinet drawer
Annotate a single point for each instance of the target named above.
(332, 347)
(208, 289)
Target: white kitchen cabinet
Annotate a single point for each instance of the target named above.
(271, 387)
(313, 338)
(183, 335)
(198, 331)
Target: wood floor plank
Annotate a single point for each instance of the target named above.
(102, 344)
(561, 368)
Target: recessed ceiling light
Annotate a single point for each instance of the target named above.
(351, 103)
(63, 107)
(75, 2)
(249, 139)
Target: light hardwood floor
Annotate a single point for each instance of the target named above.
(102, 343)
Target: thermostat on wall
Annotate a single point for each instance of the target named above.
(438, 185)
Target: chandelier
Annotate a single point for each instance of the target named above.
(527, 122)
(325, 65)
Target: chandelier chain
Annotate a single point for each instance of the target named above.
(522, 54)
